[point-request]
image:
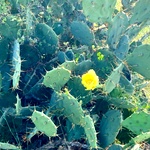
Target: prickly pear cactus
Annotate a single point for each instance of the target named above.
(44, 124)
(8, 146)
(113, 79)
(139, 60)
(47, 37)
(140, 12)
(77, 90)
(105, 66)
(16, 62)
(56, 78)
(119, 25)
(84, 63)
(99, 11)
(122, 99)
(61, 103)
(90, 132)
(4, 49)
(9, 27)
(122, 48)
(109, 127)
(74, 132)
(138, 122)
(115, 147)
(138, 139)
(82, 33)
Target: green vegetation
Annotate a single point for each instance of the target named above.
(76, 71)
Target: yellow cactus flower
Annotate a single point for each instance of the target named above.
(90, 80)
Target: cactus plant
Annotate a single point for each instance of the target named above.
(83, 67)
(140, 119)
(140, 12)
(77, 90)
(113, 79)
(9, 28)
(74, 132)
(4, 49)
(122, 48)
(119, 25)
(78, 60)
(138, 60)
(61, 103)
(16, 62)
(122, 99)
(48, 38)
(99, 11)
(109, 127)
(44, 124)
(104, 67)
(90, 132)
(50, 80)
(82, 33)
(70, 65)
(115, 147)
(137, 139)
(8, 146)
(126, 84)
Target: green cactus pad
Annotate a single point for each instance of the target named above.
(119, 25)
(9, 28)
(140, 12)
(56, 78)
(122, 103)
(18, 105)
(16, 62)
(44, 124)
(6, 78)
(78, 90)
(72, 109)
(48, 39)
(98, 11)
(90, 132)
(70, 65)
(103, 68)
(132, 31)
(139, 60)
(0, 81)
(65, 104)
(82, 33)
(62, 57)
(74, 132)
(83, 67)
(122, 47)
(4, 49)
(121, 99)
(138, 139)
(8, 146)
(126, 84)
(113, 79)
(109, 127)
(115, 147)
(138, 122)
(142, 137)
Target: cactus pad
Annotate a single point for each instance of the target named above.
(139, 60)
(43, 123)
(98, 10)
(138, 122)
(56, 78)
(82, 33)
(90, 132)
(109, 127)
